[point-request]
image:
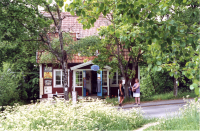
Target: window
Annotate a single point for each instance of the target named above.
(79, 78)
(58, 78)
(114, 80)
(104, 78)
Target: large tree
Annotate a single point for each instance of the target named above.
(135, 27)
(22, 21)
(181, 57)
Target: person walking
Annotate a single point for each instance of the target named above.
(121, 93)
(136, 91)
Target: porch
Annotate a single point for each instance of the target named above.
(88, 82)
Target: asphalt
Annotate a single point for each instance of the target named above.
(158, 109)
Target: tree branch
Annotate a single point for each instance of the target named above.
(52, 16)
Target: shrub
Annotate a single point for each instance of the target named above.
(66, 116)
(8, 88)
(155, 83)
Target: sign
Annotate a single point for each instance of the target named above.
(47, 89)
(47, 75)
(47, 69)
(47, 72)
(48, 82)
(74, 97)
(95, 67)
(41, 86)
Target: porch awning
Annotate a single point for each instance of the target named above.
(85, 64)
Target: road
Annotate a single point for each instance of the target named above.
(159, 109)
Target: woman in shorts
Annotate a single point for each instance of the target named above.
(136, 91)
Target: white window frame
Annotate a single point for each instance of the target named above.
(106, 78)
(76, 78)
(111, 80)
(54, 78)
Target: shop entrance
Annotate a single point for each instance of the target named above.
(92, 83)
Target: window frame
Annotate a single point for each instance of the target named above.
(111, 80)
(78, 78)
(54, 78)
(107, 79)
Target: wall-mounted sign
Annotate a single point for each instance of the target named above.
(41, 86)
(95, 67)
(47, 89)
(47, 69)
(48, 82)
(47, 72)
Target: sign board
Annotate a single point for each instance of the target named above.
(47, 89)
(95, 67)
(41, 86)
(48, 82)
(74, 97)
(47, 72)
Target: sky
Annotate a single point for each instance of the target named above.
(67, 2)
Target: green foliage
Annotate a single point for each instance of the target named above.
(155, 83)
(69, 45)
(8, 87)
(88, 46)
(21, 19)
(22, 63)
(166, 39)
(179, 54)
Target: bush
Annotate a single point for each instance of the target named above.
(188, 119)
(155, 83)
(8, 88)
(65, 116)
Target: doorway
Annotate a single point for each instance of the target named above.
(93, 82)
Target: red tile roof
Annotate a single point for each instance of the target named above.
(70, 24)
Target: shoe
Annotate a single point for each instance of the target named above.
(138, 104)
(120, 105)
(135, 104)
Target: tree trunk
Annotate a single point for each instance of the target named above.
(127, 83)
(175, 87)
(65, 81)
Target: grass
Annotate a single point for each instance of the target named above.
(188, 119)
(156, 97)
(62, 115)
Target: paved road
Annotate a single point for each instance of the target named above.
(159, 109)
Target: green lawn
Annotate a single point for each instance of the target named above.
(164, 96)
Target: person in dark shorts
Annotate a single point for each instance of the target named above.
(121, 93)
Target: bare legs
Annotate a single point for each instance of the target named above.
(121, 99)
(137, 100)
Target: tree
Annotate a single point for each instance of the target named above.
(8, 89)
(23, 70)
(22, 21)
(180, 58)
(135, 27)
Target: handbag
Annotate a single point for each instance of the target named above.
(134, 90)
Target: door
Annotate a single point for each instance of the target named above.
(99, 84)
(84, 83)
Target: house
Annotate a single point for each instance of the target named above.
(83, 76)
